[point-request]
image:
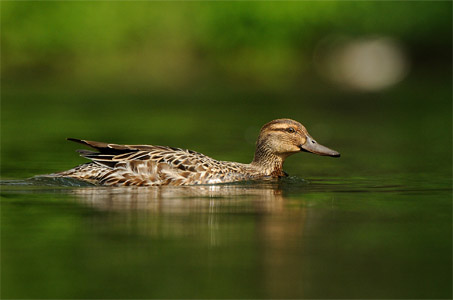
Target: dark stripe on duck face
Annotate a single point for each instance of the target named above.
(281, 129)
(287, 129)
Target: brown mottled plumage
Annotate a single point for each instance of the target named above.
(147, 165)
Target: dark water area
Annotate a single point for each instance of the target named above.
(375, 223)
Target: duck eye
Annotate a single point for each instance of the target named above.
(291, 130)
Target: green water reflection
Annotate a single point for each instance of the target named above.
(289, 239)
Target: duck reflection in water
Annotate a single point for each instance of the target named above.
(261, 196)
(219, 220)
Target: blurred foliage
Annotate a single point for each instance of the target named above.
(177, 44)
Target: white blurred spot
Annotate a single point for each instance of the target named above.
(370, 64)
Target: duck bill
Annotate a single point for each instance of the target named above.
(312, 146)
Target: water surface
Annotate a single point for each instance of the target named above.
(325, 238)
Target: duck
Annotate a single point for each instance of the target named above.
(150, 165)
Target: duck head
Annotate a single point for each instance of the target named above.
(281, 138)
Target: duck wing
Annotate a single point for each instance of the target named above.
(110, 154)
(149, 164)
(109, 148)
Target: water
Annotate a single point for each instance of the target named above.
(288, 239)
(375, 223)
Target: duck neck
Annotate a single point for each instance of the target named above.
(268, 162)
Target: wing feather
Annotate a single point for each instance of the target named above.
(154, 165)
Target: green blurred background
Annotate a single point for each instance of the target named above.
(187, 45)
(207, 75)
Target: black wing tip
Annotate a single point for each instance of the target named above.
(75, 140)
(83, 142)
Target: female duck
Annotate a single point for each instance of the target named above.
(148, 165)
